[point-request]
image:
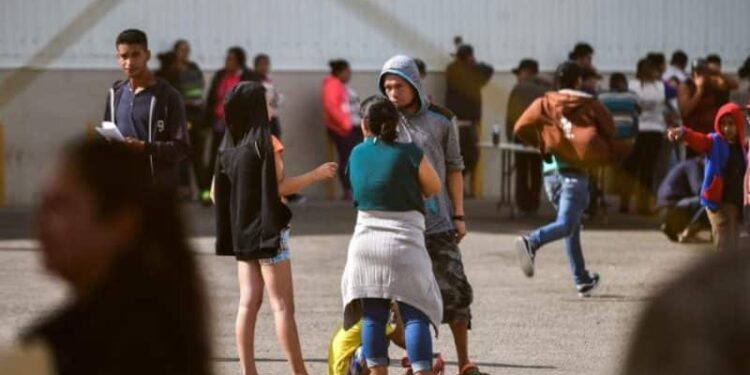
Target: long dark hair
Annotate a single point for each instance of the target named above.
(155, 275)
(240, 55)
(381, 117)
(245, 110)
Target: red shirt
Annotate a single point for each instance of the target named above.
(227, 83)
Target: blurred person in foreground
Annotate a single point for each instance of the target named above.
(138, 304)
(698, 324)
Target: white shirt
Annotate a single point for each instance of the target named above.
(673, 71)
(652, 99)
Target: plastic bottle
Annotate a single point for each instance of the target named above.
(495, 134)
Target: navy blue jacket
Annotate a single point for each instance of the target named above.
(168, 141)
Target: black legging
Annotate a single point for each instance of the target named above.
(639, 169)
(344, 146)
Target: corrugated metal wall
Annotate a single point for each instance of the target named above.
(304, 34)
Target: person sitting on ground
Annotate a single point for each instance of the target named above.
(138, 304)
(678, 201)
(345, 355)
(722, 190)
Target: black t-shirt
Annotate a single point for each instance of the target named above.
(734, 173)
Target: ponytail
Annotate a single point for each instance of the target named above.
(381, 118)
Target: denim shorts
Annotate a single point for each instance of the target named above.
(283, 254)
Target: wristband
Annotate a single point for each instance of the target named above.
(458, 217)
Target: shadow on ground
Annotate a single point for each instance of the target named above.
(395, 364)
(338, 218)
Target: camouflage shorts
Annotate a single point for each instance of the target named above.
(449, 273)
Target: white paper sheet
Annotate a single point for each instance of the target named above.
(109, 131)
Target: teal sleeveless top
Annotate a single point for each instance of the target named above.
(385, 176)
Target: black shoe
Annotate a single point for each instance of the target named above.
(296, 199)
(585, 289)
(671, 235)
(525, 256)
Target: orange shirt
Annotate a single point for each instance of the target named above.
(277, 146)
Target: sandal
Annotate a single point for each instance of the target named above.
(471, 369)
(438, 365)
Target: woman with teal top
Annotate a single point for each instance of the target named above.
(387, 260)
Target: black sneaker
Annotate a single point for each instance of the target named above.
(585, 289)
(525, 256)
(665, 229)
(296, 199)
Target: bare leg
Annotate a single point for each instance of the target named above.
(460, 332)
(251, 297)
(278, 278)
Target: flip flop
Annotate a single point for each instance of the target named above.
(471, 369)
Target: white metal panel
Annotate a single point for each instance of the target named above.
(305, 34)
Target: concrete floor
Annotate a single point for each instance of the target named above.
(521, 326)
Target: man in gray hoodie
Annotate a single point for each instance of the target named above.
(430, 128)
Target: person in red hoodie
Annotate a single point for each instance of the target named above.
(726, 162)
(341, 115)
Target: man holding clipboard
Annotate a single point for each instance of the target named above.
(145, 112)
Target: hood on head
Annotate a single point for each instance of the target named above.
(245, 108)
(404, 67)
(735, 112)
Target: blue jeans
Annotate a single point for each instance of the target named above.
(375, 312)
(569, 193)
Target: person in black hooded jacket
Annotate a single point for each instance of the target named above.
(252, 223)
